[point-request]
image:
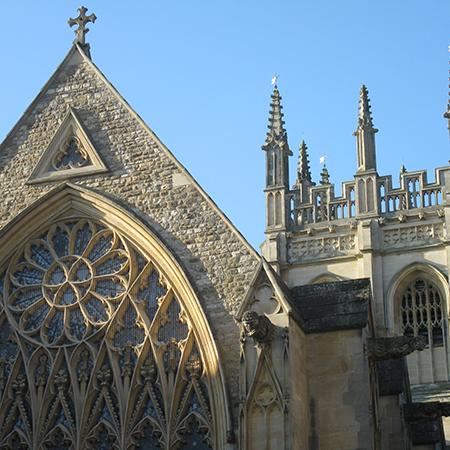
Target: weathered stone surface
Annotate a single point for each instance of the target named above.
(393, 347)
(258, 327)
(216, 258)
(425, 421)
(426, 410)
(391, 376)
(332, 306)
(427, 432)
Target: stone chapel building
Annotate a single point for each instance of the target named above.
(134, 315)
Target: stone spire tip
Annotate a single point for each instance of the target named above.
(303, 168)
(324, 175)
(364, 113)
(276, 132)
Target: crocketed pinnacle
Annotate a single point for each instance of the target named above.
(277, 134)
(324, 175)
(303, 169)
(364, 113)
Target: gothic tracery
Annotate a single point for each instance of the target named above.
(96, 349)
(421, 312)
(71, 155)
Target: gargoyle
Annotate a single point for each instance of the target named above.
(394, 347)
(257, 326)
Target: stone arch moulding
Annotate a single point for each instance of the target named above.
(68, 201)
(403, 274)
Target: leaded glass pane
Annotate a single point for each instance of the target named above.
(82, 285)
(41, 255)
(421, 312)
(150, 292)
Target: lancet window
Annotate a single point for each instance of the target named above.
(96, 349)
(422, 311)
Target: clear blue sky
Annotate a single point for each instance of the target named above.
(199, 73)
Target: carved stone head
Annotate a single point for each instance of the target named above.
(250, 322)
(259, 327)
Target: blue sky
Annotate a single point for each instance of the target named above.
(199, 74)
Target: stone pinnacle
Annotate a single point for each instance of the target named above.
(364, 113)
(303, 169)
(277, 134)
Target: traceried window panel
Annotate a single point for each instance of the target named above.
(96, 350)
(71, 155)
(422, 312)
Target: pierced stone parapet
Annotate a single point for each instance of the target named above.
(324, 206)
(369, 195)
(414, 191)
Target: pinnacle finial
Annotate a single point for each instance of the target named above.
(303, 169)
(82, 20)
(324, 175)
(277, 133)
(365, 134)
(364, 113)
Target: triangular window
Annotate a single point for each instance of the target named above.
(69, 154)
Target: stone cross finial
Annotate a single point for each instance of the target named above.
(82, 20)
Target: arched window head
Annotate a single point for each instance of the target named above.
(421, 311)
(96, 342)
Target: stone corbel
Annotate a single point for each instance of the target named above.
(258, 327)
(380, 349)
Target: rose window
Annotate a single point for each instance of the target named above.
(66, 283)
(133, 376)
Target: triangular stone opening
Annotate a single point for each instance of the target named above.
(69, 154)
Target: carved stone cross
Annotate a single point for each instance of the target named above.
(82, 20)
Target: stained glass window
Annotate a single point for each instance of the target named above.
(112, 361)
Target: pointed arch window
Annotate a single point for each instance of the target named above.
(97, 347)
(421, 310)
